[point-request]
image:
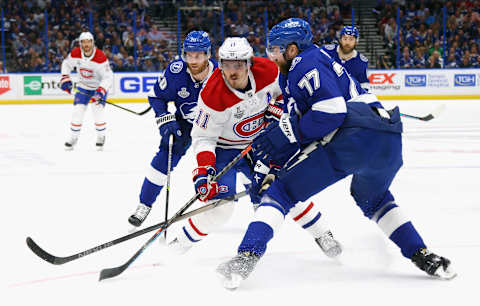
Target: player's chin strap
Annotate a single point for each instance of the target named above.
(75, 91)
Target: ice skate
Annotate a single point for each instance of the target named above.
(329, 245)
(140, 215)
(433, 264)
(100, 142)
(70, 144)
(237, 269)
(179, 247)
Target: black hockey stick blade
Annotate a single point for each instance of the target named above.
(434, 114)
(44, 255)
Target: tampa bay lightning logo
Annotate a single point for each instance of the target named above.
(295, 62)
(187, 110)
(363, 58)
(176, 67)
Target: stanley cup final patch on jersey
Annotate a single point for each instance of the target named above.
(250, 125)
(183, 93)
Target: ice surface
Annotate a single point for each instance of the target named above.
(71, 201)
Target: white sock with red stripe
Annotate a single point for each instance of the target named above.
(308, 216)
(77, 120)
(99, 118)
(197, 227)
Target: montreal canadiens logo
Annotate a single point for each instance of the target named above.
(250, 126)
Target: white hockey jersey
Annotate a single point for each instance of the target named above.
(230, 119)
(93, 71)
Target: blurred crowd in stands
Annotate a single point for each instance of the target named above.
(421, 33)
(421, 30)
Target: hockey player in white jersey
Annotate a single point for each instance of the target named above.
(181, 83)
(230, 114)
(94, 79)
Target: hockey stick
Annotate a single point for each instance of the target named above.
(56, 260)
(167, 191)
(112, 272)
(129, 110)
(116, 105)
(434, 114)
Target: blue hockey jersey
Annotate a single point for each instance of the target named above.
(176, 84)
(357, 65)
(317, 89)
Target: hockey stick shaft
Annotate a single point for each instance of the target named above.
(169, 171)
(62, 260)
(116, 105)
(112, 272)
(129, 110)
(434, 114)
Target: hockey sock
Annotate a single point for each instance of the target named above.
(99, 118)
(307, 215)
(399, 229)
(77, 119)
(267, 220)
(149, 192)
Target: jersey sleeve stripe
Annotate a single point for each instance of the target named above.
(332, 106)
(367, 98)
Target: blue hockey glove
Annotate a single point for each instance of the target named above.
(66, 84)
(202, 179)
(99, 95)
(277, 143)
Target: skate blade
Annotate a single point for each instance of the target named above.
(233, 283)
(447, 274)
(99, 149)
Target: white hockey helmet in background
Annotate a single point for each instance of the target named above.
(85, 36)
(236, 48)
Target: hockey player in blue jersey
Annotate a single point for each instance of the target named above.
(346, 54)
(326, 117)
(181, 83)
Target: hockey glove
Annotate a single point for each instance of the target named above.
(263, 176)
(99, 95)
(277, 143)
(168, 125)
(66, 84)
(202, 178)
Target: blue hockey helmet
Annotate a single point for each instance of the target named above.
(197, 41)
(350, 30)
(292, 30)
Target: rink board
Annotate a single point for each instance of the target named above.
(410, 84)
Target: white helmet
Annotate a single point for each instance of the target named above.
(236, 48)
(85, 36)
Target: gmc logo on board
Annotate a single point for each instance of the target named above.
(381, 78)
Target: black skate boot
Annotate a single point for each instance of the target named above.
(433, 264)
(70, 144)
(100, 142)
(237, 269)
(140, 215)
